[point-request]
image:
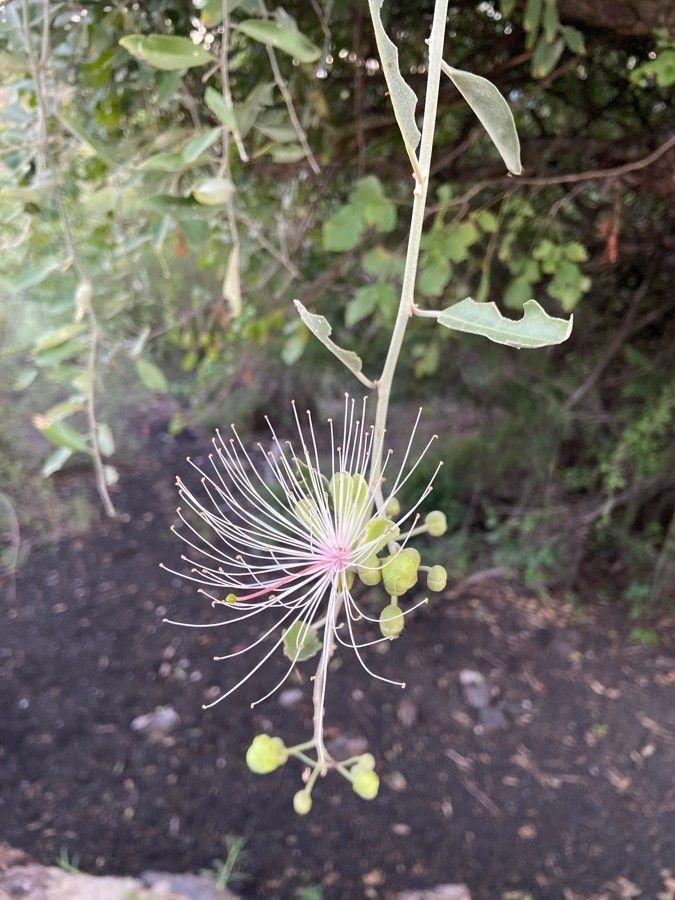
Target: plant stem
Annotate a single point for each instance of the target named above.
(319, 693)
(416, 224)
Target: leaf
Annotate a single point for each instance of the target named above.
(61, 434)
(369, 198)
(55, 461)
(151, 376)
(381, 263)
(343, 230)
(546, 55)
(434, 276)
(367, 299)
(163, 162)
(212, 11)
(301, 641)
(232, 282)
(247, 112)
(517, 293)
(62, 410)
(220, 108)
(403, 98)
(320, 328)
(166, 52)
(492, 111)
(105, 440)
(58, 336)
(198, 144)
(574, 39)
(287, 153)
(535, 329)
(31, 276)
(284, 36)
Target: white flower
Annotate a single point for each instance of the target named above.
(287, 539)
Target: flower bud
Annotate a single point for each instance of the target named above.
(436, 523)
(437, 578)
(366, 761)
(399, 571)
(213, 191)
(365, 782)
(393, 507)
(382, 531)
(391, 621)
(307, 511)
(369, 572)
(350, 494)
(266, 754)
(302, 802)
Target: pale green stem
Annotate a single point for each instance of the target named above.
(405, 307)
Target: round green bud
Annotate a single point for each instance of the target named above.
(437, 578)
(393, 507)
(436, 523)
(391, 621)
(366, 761)
(266, 754)
(365, 782)
(381, 532)
(369, 572)
(302, 802)
(399, 571)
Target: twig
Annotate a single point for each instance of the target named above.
(15, 541)
(288, 100)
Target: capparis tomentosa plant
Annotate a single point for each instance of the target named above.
(293, 538)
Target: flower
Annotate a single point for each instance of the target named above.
(286, 539)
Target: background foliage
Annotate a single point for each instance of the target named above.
(154, 236)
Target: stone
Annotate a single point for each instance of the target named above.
(157, 724)
(440, 892)
(290, 697)
(475, 689)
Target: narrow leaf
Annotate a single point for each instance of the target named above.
(164, 51)
(199, 143)
(62, 434)
(284, 37)
(492, 111)
(232, 282)
(403, 98)
(152, 377)
(55, 461)
(535, 329)
(220, 108)
(320, 328)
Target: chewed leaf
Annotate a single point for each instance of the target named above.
(492, 111)
(535, 329)
(403, 98)
(320, 328)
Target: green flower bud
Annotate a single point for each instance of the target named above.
(349, 491)
(399, 571)
(382, 531)
(365, 782)
(393, 507)
(370, 573)
(302, 802)
(307, 511)
(437, 578)
(266, 754)
(213, 191)
(366, 761)
(436, 523)
(391, 621)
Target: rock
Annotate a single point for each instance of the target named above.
(157, 724)
(187, 887)
(290, 697)
(475, 689)
(440, 892)
(492, 718)
(407, 712)
(10, 856)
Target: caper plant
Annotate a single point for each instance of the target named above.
(293, 537)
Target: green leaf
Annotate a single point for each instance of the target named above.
(532, 16)
(163, 162)
(492, 111)
(58, 336)
(212, 11)
(487, 220)
(31, 276)
(546, 55)
(320, 328)
(369, 198)
(199, 144)
(62, 410)
(247, 112)
(166, 52)
(61, 434)
(535, 329)
(369, 298)
(456, 240)
(232, 281)
(506, 7)
(220, 108)
(381, 263)
(574, 39)
(213, 191)
(517, 293)
(284, 36)
(55, 461)
(151, 376)
(343, 230)
(287, 153)
(434, 276)
(403, 98)
(301, 641)
(550, 20)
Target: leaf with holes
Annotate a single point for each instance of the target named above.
(320, 328)
(535, 329)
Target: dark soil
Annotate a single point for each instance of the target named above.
(564, 788)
